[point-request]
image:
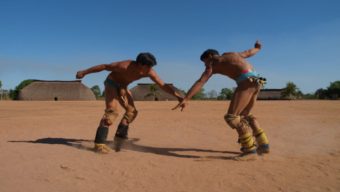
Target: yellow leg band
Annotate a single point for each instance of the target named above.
(247, 142)
(101, 148)
(261, 137)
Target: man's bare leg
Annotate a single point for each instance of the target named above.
(261, 137)
(258, 132)
(109, 117)
(240, 100)
(127, 103)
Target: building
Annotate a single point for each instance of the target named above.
(56, 90)
(270, 94)
(152, 92)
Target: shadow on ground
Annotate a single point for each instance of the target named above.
(131, 145)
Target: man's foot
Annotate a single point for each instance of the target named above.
(264, 148)
(247, 156)
(101, 148)
(262, 141)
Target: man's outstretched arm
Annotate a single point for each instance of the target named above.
(199, 83)
(252, 51)
(166, 87)
(195, 88)
(95, 69)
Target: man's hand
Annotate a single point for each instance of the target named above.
(80, 75)
(258, 44)
(182, 104)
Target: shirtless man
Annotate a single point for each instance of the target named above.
(235, 66)
(122, 74)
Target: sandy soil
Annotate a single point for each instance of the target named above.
(46, 146)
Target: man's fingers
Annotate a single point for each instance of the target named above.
(175, 107)
(180, 105)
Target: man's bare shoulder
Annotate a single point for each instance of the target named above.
(122, 63)
(119, 65)
(229, 54)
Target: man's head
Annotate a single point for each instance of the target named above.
(208, 54)
(146, 59)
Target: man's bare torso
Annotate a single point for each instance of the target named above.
(230, 64)
(125, 72)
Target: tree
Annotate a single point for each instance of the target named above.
(309, 96)
(321, 94)
(96, 91)
(212, 94)
(291, 91)
(0, 90)
(199, 95)
(225, 94)
(334, 90)
(15, 93)
(153, 91)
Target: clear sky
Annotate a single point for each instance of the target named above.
(52, 39)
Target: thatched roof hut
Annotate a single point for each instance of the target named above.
(270, 94)
(151, 92)
(56, 90)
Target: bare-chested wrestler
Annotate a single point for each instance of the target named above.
(235, 66)
(122, 74)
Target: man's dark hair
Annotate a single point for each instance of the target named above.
(208, 52)
(146, 59)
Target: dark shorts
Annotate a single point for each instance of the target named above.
(112, 84)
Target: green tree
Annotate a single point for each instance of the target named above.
(225, 94)
(309, 96)
(291, 91)
(199, 95)
(212, 94)
(1, 90)
(321, 94)
(153, 91)
(334, 85)
(333, 91)
(14, 94)
(96, 91)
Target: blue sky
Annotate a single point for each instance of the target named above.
(52, 39)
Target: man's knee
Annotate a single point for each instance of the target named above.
(234, 121)
(110, 116)
(130, 114)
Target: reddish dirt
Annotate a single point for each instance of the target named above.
(47, 146)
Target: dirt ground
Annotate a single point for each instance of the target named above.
(46, 146)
